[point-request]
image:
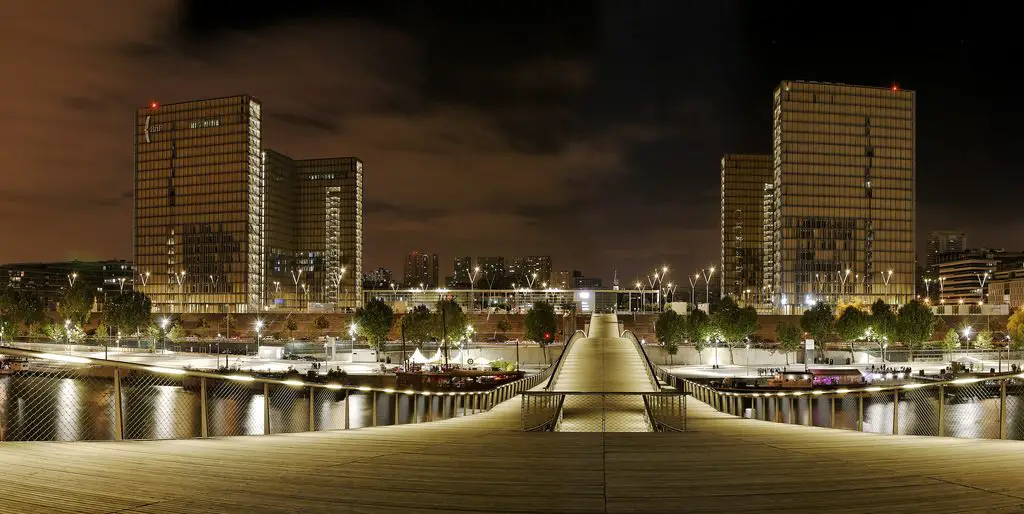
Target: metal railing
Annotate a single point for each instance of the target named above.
(652, 371)
(561, 358)
(981, 407)
(59, 397)
(579, 411)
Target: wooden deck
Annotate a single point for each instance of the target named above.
(483, 463)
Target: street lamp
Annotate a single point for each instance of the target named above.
(967, 335)
(67, 331)
(180, 277)
(259, 329)
(72, 277)
(352, 340)
(144, 277)
(842, 278)
(163, 331)
(296, 275)
(886, 277)
(693, 287)
(472, 286)
(120, 282)
(640, 295)
(982, 278)
(707, 280)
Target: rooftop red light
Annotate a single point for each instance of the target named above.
(153, 105)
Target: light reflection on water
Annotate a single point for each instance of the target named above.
(49, 408)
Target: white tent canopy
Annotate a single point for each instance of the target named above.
(438, 357)
(417, 357)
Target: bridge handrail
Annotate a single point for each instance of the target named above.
(664, 411)
(557, 366)
(652, 373)
(77, 367)
(930, 398)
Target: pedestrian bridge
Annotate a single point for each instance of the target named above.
(485, 462)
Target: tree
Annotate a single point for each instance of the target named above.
(165, 332)
(789, 338)
(322, 323)
(541, 325)
(1015, 327)
(818, 322)
(450, 323)
(373, 321)
(20, 309)
(950, 341)
(503, 326)
(76, 304)
(291, 326)
(102, 331)
(851, 325)
(983, 340)
(669, 329)
(127, 311)
(68, 332)
(733, 323)
(418, 324)
(915, 322)
(883, 321)
(701, 330)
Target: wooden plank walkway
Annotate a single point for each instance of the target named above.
(483, 463)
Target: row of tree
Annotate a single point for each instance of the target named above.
(729, 324)
(912, 326)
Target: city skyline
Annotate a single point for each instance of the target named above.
(601, 140)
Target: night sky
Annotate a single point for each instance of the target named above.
(588, 131)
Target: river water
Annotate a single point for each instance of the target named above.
(45, 408)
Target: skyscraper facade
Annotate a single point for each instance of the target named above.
(843, 194)
(462, 273)
(742, 224)
(223, 225)
(421, 270)
(492, 271)
(943, 242)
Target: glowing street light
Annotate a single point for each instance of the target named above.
(259, 330)
(707, 281)
(72, 277)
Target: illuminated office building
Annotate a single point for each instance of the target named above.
(843, 186)
(223, 225)
(742, 224)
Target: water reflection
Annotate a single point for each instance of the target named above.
(66, 409)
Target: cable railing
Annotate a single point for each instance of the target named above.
(586, 411)
(561, 358)
(979, 407)
(652, 371)
(61, 397)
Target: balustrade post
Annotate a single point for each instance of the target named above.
(266, 408)
(312, 409)
(1002, 409)
(464, 398)
(373, 409)
(895, 412)
(395, 412)
(415, 408)
(348, 400)
(860, 412)
(203, 426)
(942, 410)
(832, 416)
(118, 407)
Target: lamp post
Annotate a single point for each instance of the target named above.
(296, 275)
(180, 278)
(259, 329)
(640, 299)
(842, 279)
(163, 331)
(693, 287)
(71, 278)
(886, 277)
(120, 283)
(707, 280)
(472, 287)
(982, 278)
(67, 331)
(277, 291)
(144, 277)
(352, 340)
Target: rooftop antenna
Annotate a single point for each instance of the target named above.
(615, 281)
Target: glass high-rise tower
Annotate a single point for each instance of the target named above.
(743, 182)
(843, 194)
(221, 225)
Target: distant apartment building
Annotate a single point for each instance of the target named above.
(562, 279)
(1007, 287)
(532, 270)
(492, 272)
(223, 224)
(421, 270)
(380, 278)
(843, 194)
(968, 276)
(50, 280)
(462, 274)
(941, 243)
(742, 224)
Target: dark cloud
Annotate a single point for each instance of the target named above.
(591, 131)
